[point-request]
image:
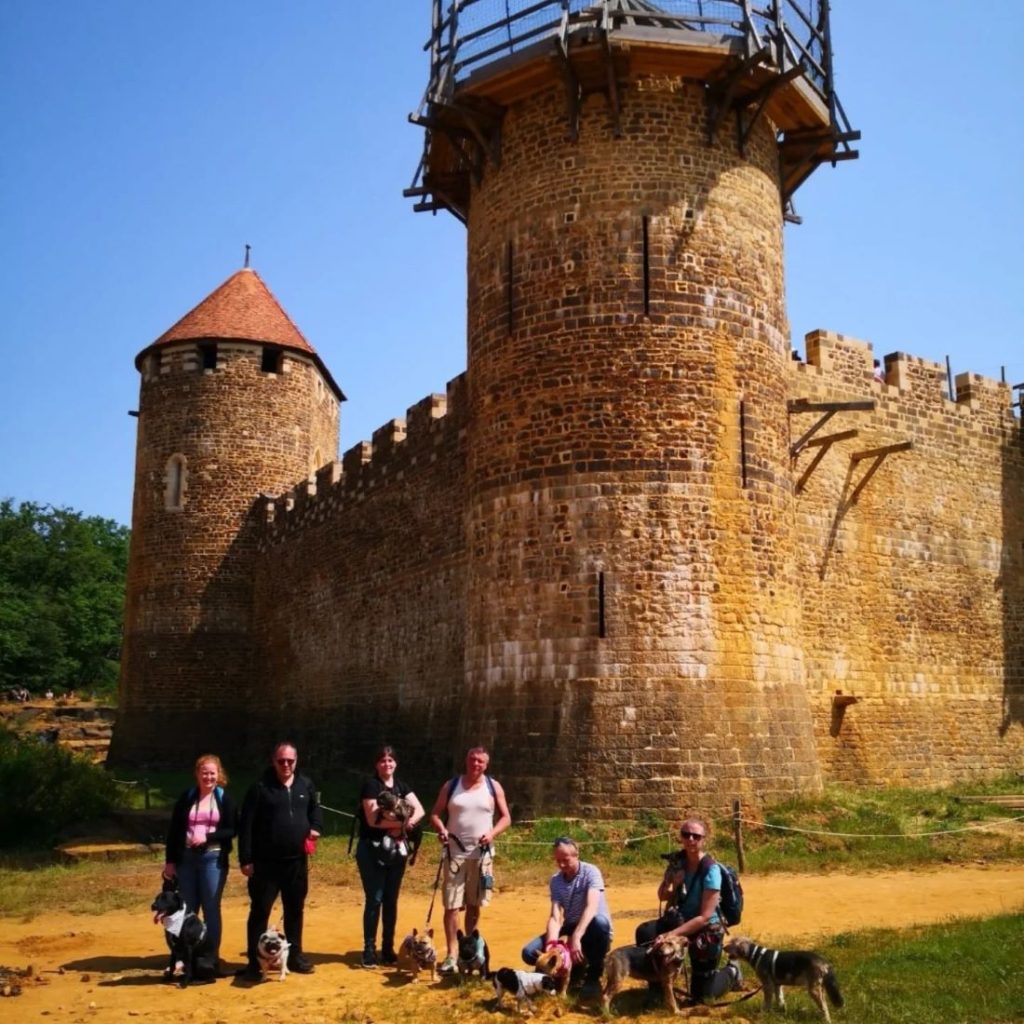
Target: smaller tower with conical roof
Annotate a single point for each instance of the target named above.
(234, 402)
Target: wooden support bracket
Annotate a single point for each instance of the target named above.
(840, 702)
(828, 410)
(878, 454)
(824, 443)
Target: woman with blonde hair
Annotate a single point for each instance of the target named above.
(203, 824)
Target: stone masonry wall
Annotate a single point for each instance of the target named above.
(188, 616)
(360, 598)
(629, 452)
(912, 591)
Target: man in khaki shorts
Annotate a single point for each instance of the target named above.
(464, 816)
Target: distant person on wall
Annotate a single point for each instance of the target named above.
(382, 852)
(691, 887)
(879, 373)
(281, 821)
(203, 823)
(464, 815)
(579, 914)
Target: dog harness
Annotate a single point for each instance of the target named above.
(759, 953)
(564, 953)
(173, 923)
(530, 982)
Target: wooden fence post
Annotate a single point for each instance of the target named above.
(737, 827)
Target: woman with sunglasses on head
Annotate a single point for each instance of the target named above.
(381, 854)
(691, 887)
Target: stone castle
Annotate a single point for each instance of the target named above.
(637, 542)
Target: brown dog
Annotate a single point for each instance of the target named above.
(417, 953)
(661, 963)
(556, 963)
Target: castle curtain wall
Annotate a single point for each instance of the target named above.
(359, 599)
(911, 584)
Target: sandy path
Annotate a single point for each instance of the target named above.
(111, 963)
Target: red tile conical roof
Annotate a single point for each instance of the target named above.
(242, 308)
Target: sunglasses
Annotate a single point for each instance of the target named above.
(286, 760)
(692, 835)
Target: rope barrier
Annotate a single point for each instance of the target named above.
(883, 835)
(334, 810)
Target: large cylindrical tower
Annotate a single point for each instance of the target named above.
(234, 402)
(633, 619)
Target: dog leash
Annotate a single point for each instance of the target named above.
(437, 882)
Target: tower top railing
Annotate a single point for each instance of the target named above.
(467, 35)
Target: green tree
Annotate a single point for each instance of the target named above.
(62, 578)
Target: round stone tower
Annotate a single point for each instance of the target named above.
(234, 402)
(624, 170)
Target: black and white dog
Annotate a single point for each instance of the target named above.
(192, 958)
(521, 985)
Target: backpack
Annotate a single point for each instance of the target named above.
(730, 904)
(455, 781)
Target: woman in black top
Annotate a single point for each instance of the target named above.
(203, 823)
(381, 853)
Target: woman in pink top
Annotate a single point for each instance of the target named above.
(203, 823)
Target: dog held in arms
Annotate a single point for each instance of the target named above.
(521, 985)
(775, 968)
(652, 963)
(272, 953)
(192, 960)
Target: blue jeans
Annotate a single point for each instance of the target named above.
(201, 879)
(595, 944)
(381, 885)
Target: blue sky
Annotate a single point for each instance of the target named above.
(144, 142)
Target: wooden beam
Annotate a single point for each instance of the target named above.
(843, 435)
(879, 453)
(798, 405)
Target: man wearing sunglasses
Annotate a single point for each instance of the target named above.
(281, 819)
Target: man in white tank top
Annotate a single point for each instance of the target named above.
(464, 815)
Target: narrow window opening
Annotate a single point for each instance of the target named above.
(175, 483)
(208, 355)
(510, 284)
(601, 626)
(155, 362)
(743, 442)
(271, 362)
(647, 267)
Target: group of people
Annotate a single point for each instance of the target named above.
(281, 819)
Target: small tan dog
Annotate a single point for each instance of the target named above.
(556, 963)
(417, 953)
(661, 962)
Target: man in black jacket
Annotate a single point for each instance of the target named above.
(280, 821)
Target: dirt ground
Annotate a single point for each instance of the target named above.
(107, 968)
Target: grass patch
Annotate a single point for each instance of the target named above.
(958, 973)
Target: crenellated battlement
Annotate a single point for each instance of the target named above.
(430, 429)
(838, 366)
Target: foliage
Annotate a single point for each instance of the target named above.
(46, 788)
(62, 580)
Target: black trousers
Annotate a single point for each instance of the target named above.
(288, 879)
